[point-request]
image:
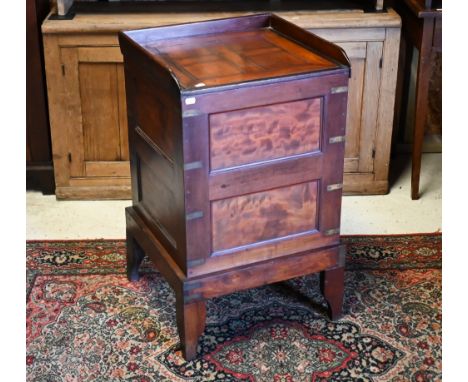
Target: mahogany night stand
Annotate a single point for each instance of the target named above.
(236, 134)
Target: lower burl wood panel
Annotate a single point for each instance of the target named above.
(265, 215)
(264, 133)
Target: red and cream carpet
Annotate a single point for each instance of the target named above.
(86, 322)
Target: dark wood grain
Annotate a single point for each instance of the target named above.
(156, 153)
(332, 286)
(267, 175)
(196, 168)
(137, 229)
(190, 323)
(262, 133)
(332, 171)
(135, 256)
(422, 28)
(192, 6)
(231, 183)
(39, 168)
(266, 251)
(153, 117)
(262, 273)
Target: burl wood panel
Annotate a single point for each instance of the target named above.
(263, 215)
(232, 57)
(264, 133)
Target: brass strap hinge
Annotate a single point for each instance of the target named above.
(195, 262)
(333, 231)
(333, 187)
(193, 285)
(339, 89)
(193, 297)
(191, 113)
(194, 215)
(337, 139)
(193, 165)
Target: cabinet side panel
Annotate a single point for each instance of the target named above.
(156, 185)
(156, 154)
(154, 118)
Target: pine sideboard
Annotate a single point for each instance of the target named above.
(86, 95)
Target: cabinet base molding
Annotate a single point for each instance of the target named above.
(94, 192)
(192, 293)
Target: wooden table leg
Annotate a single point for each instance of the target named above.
(135, 255)
(422, 91)
(332, 286)
(191, 319)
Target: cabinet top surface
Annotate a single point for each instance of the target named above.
(114, 22)
(226, 58)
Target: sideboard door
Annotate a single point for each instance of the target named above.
(362, 105)
(97, 130)
(373, 53)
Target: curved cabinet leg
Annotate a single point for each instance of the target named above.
(332, 286)
(135, 256)
(191, 319)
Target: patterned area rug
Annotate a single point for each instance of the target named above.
(86, 322)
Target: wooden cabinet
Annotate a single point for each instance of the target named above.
(85, 86)
(237, 157)
(95, 90)
(374, 60)
(89, 120)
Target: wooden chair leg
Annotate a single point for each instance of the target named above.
(332, 286)
(191, 318)
(422, 91)
(135, 256)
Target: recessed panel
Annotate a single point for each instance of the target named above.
(265, 215)
(155, 117)
(100, 111)
(156, 195)
(264, 133)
